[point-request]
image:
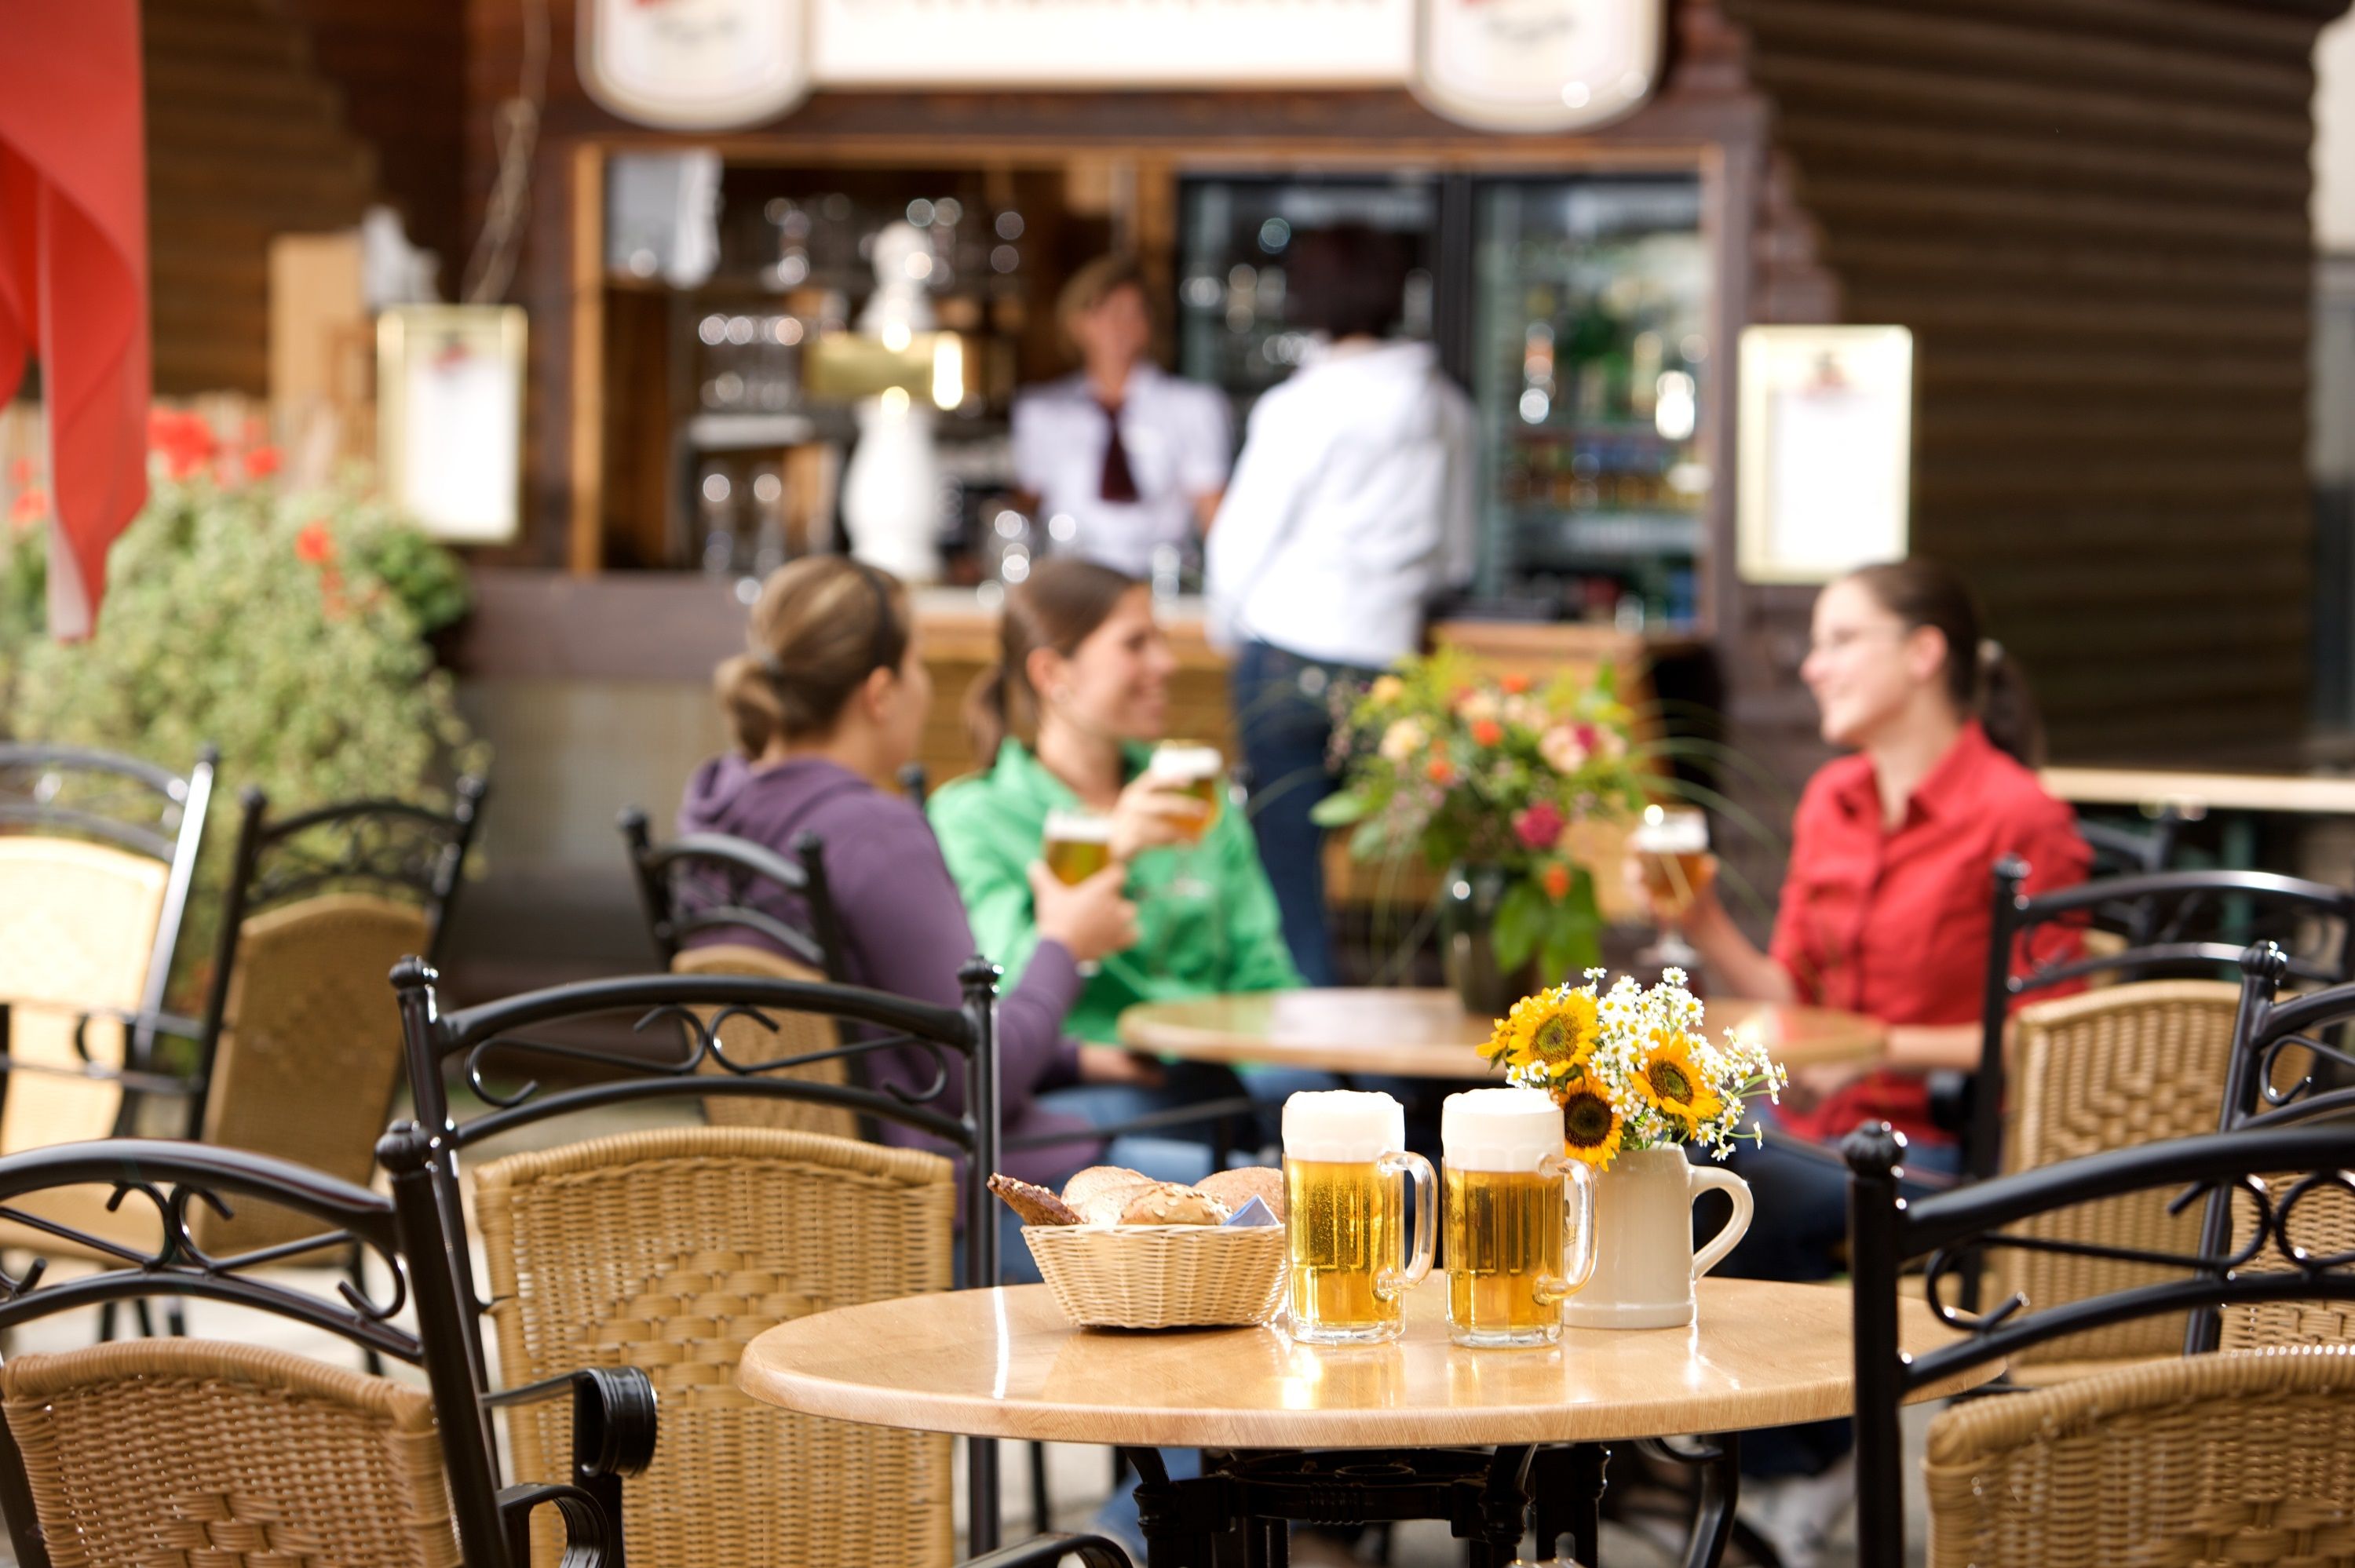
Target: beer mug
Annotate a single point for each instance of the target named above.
(1344, 1169)
(1078, 845)
(1519, 1241)
(1190, 769)
(1672, 842)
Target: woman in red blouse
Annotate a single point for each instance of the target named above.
(1885, 911)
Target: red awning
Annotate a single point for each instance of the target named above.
(73, 273)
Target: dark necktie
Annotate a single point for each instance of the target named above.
(1118, 484)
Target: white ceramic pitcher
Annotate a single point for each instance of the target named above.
(1644, 1265)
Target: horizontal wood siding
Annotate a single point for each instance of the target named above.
(2093, 214)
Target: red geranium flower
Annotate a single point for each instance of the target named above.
(1539, 826)
(314, 544)
(262, 461)
(1487, 732)
(1440, 771)
(1514, 684)
(1557, 882)
(184, 440)
(31, 505)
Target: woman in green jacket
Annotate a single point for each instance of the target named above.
(1065, 722)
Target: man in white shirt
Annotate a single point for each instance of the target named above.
(1349, 512)
(1124, 459)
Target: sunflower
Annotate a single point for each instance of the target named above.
(1554, 1030)
(1669, 1078)
(1590, 1124)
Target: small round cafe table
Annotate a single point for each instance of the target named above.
(1427, 1034)
(1360, 1432)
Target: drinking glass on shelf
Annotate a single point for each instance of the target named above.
(1671, 847)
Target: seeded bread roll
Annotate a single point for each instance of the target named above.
(1167, 1203)
(1237, 1187)
(1037, 1205)
(1100, 1179)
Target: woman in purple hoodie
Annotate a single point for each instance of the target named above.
(828, 705)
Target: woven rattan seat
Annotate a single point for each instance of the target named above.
(310, 1057)
(187, 1454)
(668, 1251)
(2247, 1459)
(798, 1034)
(2112, 1068)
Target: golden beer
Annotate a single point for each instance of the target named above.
(1518, 1241)
(1189, 769)
(1672, 844)
(1078, 845)
(1345, 1228)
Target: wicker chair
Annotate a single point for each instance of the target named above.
(97, 855)
(2234, 1458)
(191, 1451)
(673, 1248)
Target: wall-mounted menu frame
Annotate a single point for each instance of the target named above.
(450, 385)
(1826, 451)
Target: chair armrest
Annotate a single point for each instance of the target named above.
(592, 1535)
(1046, 1550)
(613, 1433)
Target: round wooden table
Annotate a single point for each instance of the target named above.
(1005, 1363)
(1427, 1034)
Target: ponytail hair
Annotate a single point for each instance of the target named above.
(820, 627)
(1983, 681)
(1059, 606)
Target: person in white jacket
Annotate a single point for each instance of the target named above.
(1349, 512)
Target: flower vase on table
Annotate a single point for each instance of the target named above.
(1489, 776)
(1639, 1083)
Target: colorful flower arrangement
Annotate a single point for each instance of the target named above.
(1632, 1067)
(1479, 770)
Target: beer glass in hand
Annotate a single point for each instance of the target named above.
(1671, 848)
(1196, 771)
(1078, 844)
(1519, 1241)
(1344, 1169)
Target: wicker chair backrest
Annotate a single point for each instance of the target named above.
(798, 1034)
(668, 1251)
(187, 1452)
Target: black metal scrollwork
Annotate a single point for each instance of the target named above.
(376, 848)
(702, 1035)
(178, 1253)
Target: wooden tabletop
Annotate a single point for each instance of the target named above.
(1427, 1034)
(2196, 794)
(1005, 1363)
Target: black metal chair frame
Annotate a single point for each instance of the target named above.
(491, 1039)
(1951, 1229)
(737, 861)
(183, 805)
(2163, 904)
(613, 1408)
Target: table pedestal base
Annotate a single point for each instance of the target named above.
(1238, 1512)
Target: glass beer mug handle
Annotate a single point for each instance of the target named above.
(1391, 1283)
(1578, 1240)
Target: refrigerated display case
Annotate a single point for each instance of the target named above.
(1589, 343)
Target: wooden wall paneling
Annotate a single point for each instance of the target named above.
(583, 394)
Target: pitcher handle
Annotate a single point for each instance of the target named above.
(1391, 1283)
(1702, 1178)
(1578, 1239)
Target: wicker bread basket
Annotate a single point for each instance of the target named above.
(1161, 1277)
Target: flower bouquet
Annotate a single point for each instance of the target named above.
(1488, 776)
(1632, 1067)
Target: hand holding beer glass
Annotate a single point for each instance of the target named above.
(1078, 895)
(1670, 847)
(1344, 1169)
(1520, 1217)
(1189, 771)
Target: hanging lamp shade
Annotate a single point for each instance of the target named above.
(1536, 65)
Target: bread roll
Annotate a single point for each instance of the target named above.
(1037, 1205)
(1109, 1205)
(1167, 1203)
(1100, 1179)
(1237, 1187)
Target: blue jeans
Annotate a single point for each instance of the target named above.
(1284, 717)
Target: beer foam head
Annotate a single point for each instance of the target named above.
(1342, 1124)
(1673, 831)
(1079, 827)
(1500, 1129)
(1185, 762)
